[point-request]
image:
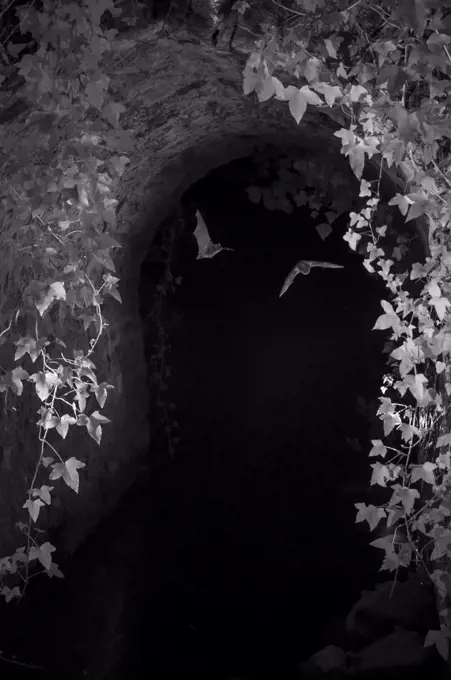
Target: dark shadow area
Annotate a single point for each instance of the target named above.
(239, 555)
(260, 552)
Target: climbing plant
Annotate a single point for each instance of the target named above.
(285, 185)
(57, 210)
(391, 85)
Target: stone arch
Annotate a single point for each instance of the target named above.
(186, 109)
(192, 118)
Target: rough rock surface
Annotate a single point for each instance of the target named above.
(385, 631)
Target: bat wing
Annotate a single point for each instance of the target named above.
(290, 278)
(303, 267)
(201, 234)
(207, 248)
(324, 265)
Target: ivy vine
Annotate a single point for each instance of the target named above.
(415, 402)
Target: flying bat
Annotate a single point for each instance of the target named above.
(304, 267)
(207, 248)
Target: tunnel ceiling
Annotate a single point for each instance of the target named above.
(189, 116)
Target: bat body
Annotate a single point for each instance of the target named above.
(304, 267)
(207, 248)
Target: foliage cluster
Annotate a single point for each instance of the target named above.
(60, 174)
(395, 95)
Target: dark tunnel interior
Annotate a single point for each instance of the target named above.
(261, 548)
(238, 555)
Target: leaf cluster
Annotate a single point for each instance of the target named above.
(392, 85)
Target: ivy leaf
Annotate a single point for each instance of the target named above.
(442, 542)
(43, 493)
(383, 49)
(324, 230)
(381, 473)
(370, 514)
(53, 570)
(331, 51)
(394, 515)
(357, 160)
(417, 16)
(406, 496)
(44, 383)
(311, 70)
(444, 440)
(415, 384)
(250, 80)
(62, 426)
(356, 92)
(330, 92)
(417, 209)
(384, 543)
(33, 508)
(331, 216)
(68, 471)
(287, 93)
(378, 448)
(310, 96)
(95, 94)
(436, 42)
(352, 237)
(424, 472)
(267, 90)
(388, 320)
(408, 432)
(402, 558)
(297, 106)
(439, 367)
(408, 354)
(43, 553)
(269, 201)
(440, 305)
(254, 194)
(101, 391)
(433, 289)
(439, 638)
(381, 231)
(29, 345)
(418, 271)
(442, 582)
(94, 425)
(10, 593)
(390, 421)
(341, 72)
(403, 203)
(365, 188)
(55, 291)
(386, 406)
(104, 241)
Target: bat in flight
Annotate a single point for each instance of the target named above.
(304, 267)
(207, 248)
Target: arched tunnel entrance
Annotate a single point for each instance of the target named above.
(259, 553)
(237, 555)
